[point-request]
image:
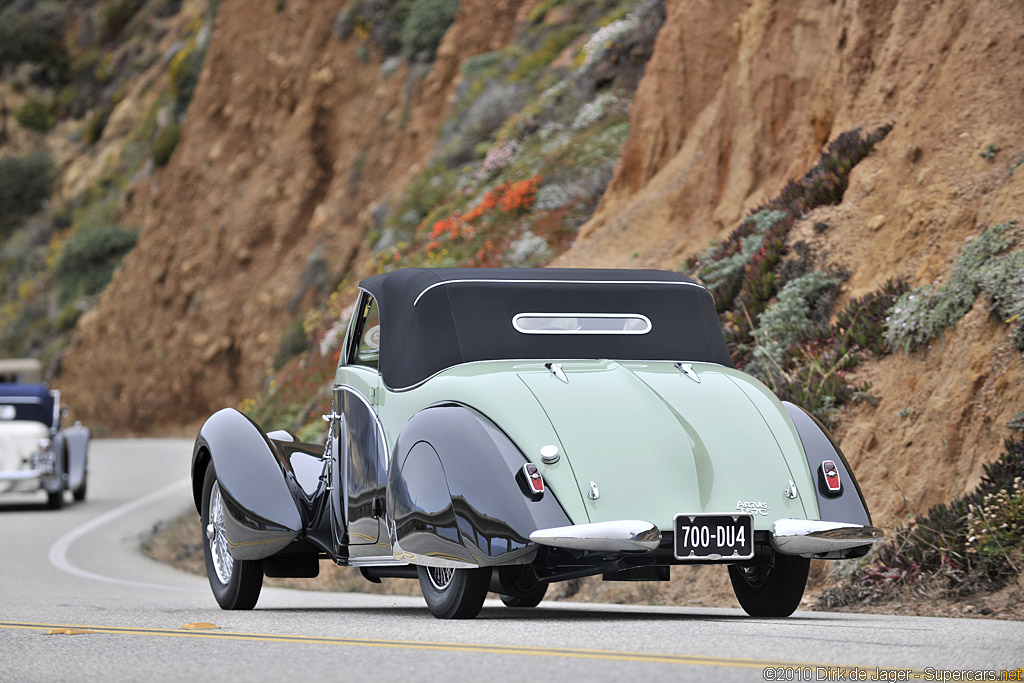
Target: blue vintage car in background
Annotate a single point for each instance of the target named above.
(35, 452)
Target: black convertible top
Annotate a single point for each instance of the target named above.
(435, 318)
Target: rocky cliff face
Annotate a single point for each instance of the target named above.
(293, 142)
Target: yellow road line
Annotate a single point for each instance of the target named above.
(569, 653)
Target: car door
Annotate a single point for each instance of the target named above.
(358, 470)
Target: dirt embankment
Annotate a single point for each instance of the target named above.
(740, 96)
(290, 145)
(293, 142)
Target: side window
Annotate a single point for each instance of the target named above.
(366, 349)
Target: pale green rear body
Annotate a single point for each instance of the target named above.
(654, 441)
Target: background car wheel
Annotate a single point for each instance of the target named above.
(236, 583)
(770, 590)
(454, 593)
(79, 493)
(55, 500)
(530, 598)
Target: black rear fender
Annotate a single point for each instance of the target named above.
(77, 439)
(453, 496)
(261, 495)
(846, 506)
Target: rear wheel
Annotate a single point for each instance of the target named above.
(55, 500)
(771, 589)
(529, 598)
(236, 584)
(454, 593)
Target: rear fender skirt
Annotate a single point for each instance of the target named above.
(261, 495)
(453, 499)
(849, 506)
(77, 440)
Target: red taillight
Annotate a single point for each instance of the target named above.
(530, 481)
(830, 476)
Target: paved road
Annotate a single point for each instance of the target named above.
(80, 568)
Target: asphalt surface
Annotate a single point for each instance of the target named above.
(79, 568)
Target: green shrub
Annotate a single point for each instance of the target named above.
(924, 312)
(95, 125)
(293, 342)
(720, 267)
(35, 34)
(89, 258)
(534, 62)
(163, 146)
(976, 541)
(114, 16)
(25, 183)
(791, 318)
(425, 26)
(36, 114)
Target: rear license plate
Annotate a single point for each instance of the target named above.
(714, 537)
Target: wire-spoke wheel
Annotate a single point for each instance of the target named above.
(440, 577)
(771, 589)
(454, 593)
(236, 583)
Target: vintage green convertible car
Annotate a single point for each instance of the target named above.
(498, 430)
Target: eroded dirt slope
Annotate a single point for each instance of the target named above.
(740, 96)
(290, 144)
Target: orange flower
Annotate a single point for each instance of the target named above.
(433, 245)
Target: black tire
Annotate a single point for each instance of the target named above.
(236, 584)
(79, 493)
(529, 598)
(454, 593)
(770, 590)
(55, 500)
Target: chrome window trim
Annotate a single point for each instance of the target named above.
(559, 282)
(617, 316)
(24, 400)
(376, 418)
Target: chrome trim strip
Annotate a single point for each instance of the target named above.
(375, 561)
(810, 537)
(619, 535)
(405, 557)
(376, 418)
(55, 394)
(554, 282)
(21, 475)
(619, 316)
(22, 400)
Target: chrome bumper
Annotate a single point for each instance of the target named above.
(620, 535)
(811, 537)
(22, 475)
(21, 481)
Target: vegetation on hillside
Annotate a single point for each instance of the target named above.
(777, 310)
(532, 142)
(59, 252)
(974, 543)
